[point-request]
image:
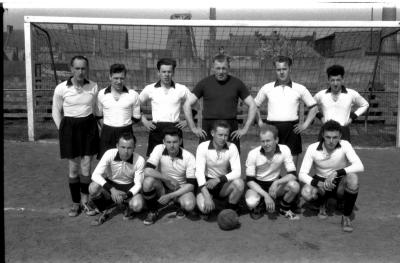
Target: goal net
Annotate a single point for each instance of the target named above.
(369, 52)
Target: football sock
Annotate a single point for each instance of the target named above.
(350, 197)
(75, 189)
(84, 184)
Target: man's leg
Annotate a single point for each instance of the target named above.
(152, 189)
(289, 193)
(234, 190)
(253, 202)
(350, 197)
(103, 202)
(74, 186)
(310, 193)
(85, 180)
(187, 204)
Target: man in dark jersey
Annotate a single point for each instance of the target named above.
(220, 93)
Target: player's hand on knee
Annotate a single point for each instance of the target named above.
(165, 199)
(208, 204)
(117, 195)
(269, 203)
(273, 189)
(172, 184)
(210, 184)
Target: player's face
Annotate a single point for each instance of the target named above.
(221, 70)
(125, 148)
(172, 144)
(282, 71)
(220, 136)
(79, 69)
(335, 83)
(117, 81)
(268, 142)
(331, 139)
(165, 74)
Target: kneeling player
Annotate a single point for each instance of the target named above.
(263, 168)
(118, 179)
(218, 170)
(169, 176)
(336, 164)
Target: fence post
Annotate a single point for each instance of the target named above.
(30, 105)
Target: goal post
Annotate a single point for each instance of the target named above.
(50, 42)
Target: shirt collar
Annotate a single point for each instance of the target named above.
(179, 155)
(344, 90)
(277, 150)
(320, 148)
(69, 82)
(108, 90)
(118, 158)
(286, 83)
(211, 146)
(158, 84)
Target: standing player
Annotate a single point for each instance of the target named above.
(72, 111)
(336, 164)
(118, 106)
(336, 102)
(167, 98)
(220, 93)
(283, 97)
(218, 170)
(263, 167)
(118, 179)
(169, 176)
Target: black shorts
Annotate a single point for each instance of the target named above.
(213, 192)
(264, 185)
(345, 133)
(287, 136)
(207, 125)
(122, 187)
(156, 136)
(109, 137)
(78, 137)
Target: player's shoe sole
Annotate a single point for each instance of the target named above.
(75, 210)
(346, 224)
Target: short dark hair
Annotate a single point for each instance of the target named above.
(127, 136)
(331, 125)
(172, 131)
(335, 70)
(166, 61)
(117, 68)
(220, 124)
(79, 57)
(222, 58)
(269, 128)
(282, 59)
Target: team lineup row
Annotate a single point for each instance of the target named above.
(122, 176)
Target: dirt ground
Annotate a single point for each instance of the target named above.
(37, 228)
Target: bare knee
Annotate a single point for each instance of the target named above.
(187, 202)
(252, 199)
(293, 187)
(136, 203)
(238, 185)
(308, 193)
(148, 184)
(351, 181)
(94, 189)
(200, 202)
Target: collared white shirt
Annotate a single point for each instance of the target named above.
(165, 102)
(264, 169)
(343, 157)
(180, 168)
(75, 101)
(283, 100)
(213, 164)
(118, 113)
(339, 109)
(114, 169)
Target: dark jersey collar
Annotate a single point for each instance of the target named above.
(211, 146)
(180, 155)
(320, 148)
(288, 83)
(69, 82)
(277, 150)
(108, 90)
(158, 84)
(118, 158)
(344, 90)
